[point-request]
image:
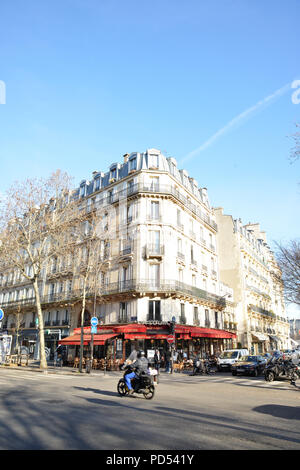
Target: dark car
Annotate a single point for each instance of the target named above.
(249, 365)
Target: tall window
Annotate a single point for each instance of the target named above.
(97, 184)
(132, 164)
(154, 210)
(154, 183)
(217, 320)
(154, 271)
(155, 240)
(182, 314)
(123, 317)
(154, 161)
(154, 310)
(196, 316)
(207, 322)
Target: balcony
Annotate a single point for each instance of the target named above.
(127, 250)
(154, 251)
(154, 318)
(180, 256)
(123, 319)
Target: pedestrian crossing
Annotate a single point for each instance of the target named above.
(35, 377)
(227, 379)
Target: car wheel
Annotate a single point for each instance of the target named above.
(270, 376)
(234, 372)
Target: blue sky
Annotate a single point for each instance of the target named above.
(89, 80)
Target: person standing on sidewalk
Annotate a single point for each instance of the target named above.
(168, 361)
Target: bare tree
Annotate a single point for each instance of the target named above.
(90, 240)
(33, 222)
(288, 258)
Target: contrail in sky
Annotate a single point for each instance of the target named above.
(265, 102)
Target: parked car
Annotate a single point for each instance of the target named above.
(229, 357)
(250, 365)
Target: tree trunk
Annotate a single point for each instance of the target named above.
(82, 321)
(43, 361)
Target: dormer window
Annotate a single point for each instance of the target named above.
(153, 161)
(97, 184)
(132, 164)
(82, 191)
(113, 173)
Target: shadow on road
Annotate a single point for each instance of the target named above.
(279, 411)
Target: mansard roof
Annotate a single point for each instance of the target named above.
(150, 159)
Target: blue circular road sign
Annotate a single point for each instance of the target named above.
(94, 321)
(1, 314)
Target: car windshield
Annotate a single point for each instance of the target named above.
(249, 359)
(229, 354)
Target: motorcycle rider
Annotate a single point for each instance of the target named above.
(140, 366)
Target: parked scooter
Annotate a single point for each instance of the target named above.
(279, 368)
(142, 385)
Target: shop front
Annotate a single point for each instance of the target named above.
(259, 345)
(115, 342)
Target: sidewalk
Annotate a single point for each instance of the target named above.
(34, 366)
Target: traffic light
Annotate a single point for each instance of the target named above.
(172, 326)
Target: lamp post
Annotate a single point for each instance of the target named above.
(173, 322)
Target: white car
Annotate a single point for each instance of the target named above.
(229, 357)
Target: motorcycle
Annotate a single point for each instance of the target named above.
(203, 366)
(277, 368)
(142, 384)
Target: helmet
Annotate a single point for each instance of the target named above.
(141, 354)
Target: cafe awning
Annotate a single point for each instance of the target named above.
(260, 336)
(99, 340)
(211, 333)
(274, 338)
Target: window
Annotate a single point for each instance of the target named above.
(178, 217)
(97, 184)
(217, 320)
(155, 240)
(182, 314)
(130, 186)
(82, 191)
(113, 173)
(207, 322)
(154, 183)
(123, 318)
(196, 316)
(132, 164)
(154, 210)
(154, 275)
(154, 310)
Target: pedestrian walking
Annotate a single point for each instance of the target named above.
(157, 360)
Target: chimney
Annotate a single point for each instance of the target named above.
(126, 156)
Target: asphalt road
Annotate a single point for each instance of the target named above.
(84, 412)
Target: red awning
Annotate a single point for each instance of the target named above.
(72, 340)
(211, 333)
(98, 339)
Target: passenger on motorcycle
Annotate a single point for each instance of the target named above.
(140, 366)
